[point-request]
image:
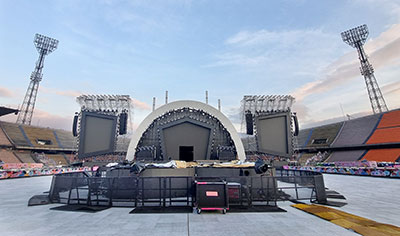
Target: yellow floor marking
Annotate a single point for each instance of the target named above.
(358, 224)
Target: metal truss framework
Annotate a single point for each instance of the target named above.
(44, 46)
(111, 103)
(356, 38)
(150, 142)
(264, 104)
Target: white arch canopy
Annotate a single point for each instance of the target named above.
(180, 105)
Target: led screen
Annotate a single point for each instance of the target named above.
(97, 134)
(273, 134)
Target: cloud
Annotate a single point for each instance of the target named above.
(46, 119)
(66, 93)
(285, 53)
(5, 92)
(140, 105)
(385, 53)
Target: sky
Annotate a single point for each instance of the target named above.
(229, 48)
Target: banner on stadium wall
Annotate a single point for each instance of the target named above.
(363, 171)
(14, 173)
(10, 166)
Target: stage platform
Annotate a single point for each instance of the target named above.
(363, 193)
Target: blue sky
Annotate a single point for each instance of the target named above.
(230, 48)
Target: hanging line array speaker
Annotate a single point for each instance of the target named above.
(249, 123)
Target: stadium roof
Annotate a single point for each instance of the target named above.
(5, 111)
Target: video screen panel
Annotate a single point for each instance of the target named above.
(97, 134)
(273, 134)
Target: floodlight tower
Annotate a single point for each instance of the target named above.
(356, 38)
(45, 46)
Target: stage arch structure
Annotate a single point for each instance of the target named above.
(186, 130)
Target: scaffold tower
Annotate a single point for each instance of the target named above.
(45, 46)
(356, 38)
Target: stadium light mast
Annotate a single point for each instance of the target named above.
(45, 45)
(356, 38)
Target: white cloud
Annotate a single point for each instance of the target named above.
(66, 93)
(5, 92)
(385, 53)
(140, 105)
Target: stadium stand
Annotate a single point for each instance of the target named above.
(3, 139)
(357, 131)
(65, 139)
(303, 137)
(7, 156)
(58, 159)
(24, 156)
(41, 137)
(122, 144)
(15, 135)
(383, 155)
(304, 157)
(324, 135)
(352, 155)
(385, 135)
(390, 119)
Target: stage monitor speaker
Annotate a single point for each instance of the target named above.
(249, 123)
(75, 126)
(123, 119)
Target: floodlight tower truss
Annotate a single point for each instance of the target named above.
(44, 45)
(356, 38)
(264, 104)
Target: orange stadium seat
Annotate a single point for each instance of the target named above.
(8, 157)
(384, 155)
(387, 135)
(390, 119)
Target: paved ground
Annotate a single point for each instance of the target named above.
(374, 198)
(16, 218)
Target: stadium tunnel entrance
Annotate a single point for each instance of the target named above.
(188, 131)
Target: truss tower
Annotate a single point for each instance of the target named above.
(45, 46)
(356, 38)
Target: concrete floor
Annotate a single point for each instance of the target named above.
(374, 198)
(16, 218)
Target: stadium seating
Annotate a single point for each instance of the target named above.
(304, 157)
(390, 119)
(321, 133)
(383, 155)
(385, 135)
(65, 139)
(24, 156)
(58, 159)
(41, 137)
(302, 138)
(353, 155)
(3, 139)
(356, 132)
(15, 134)
(7, 156)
